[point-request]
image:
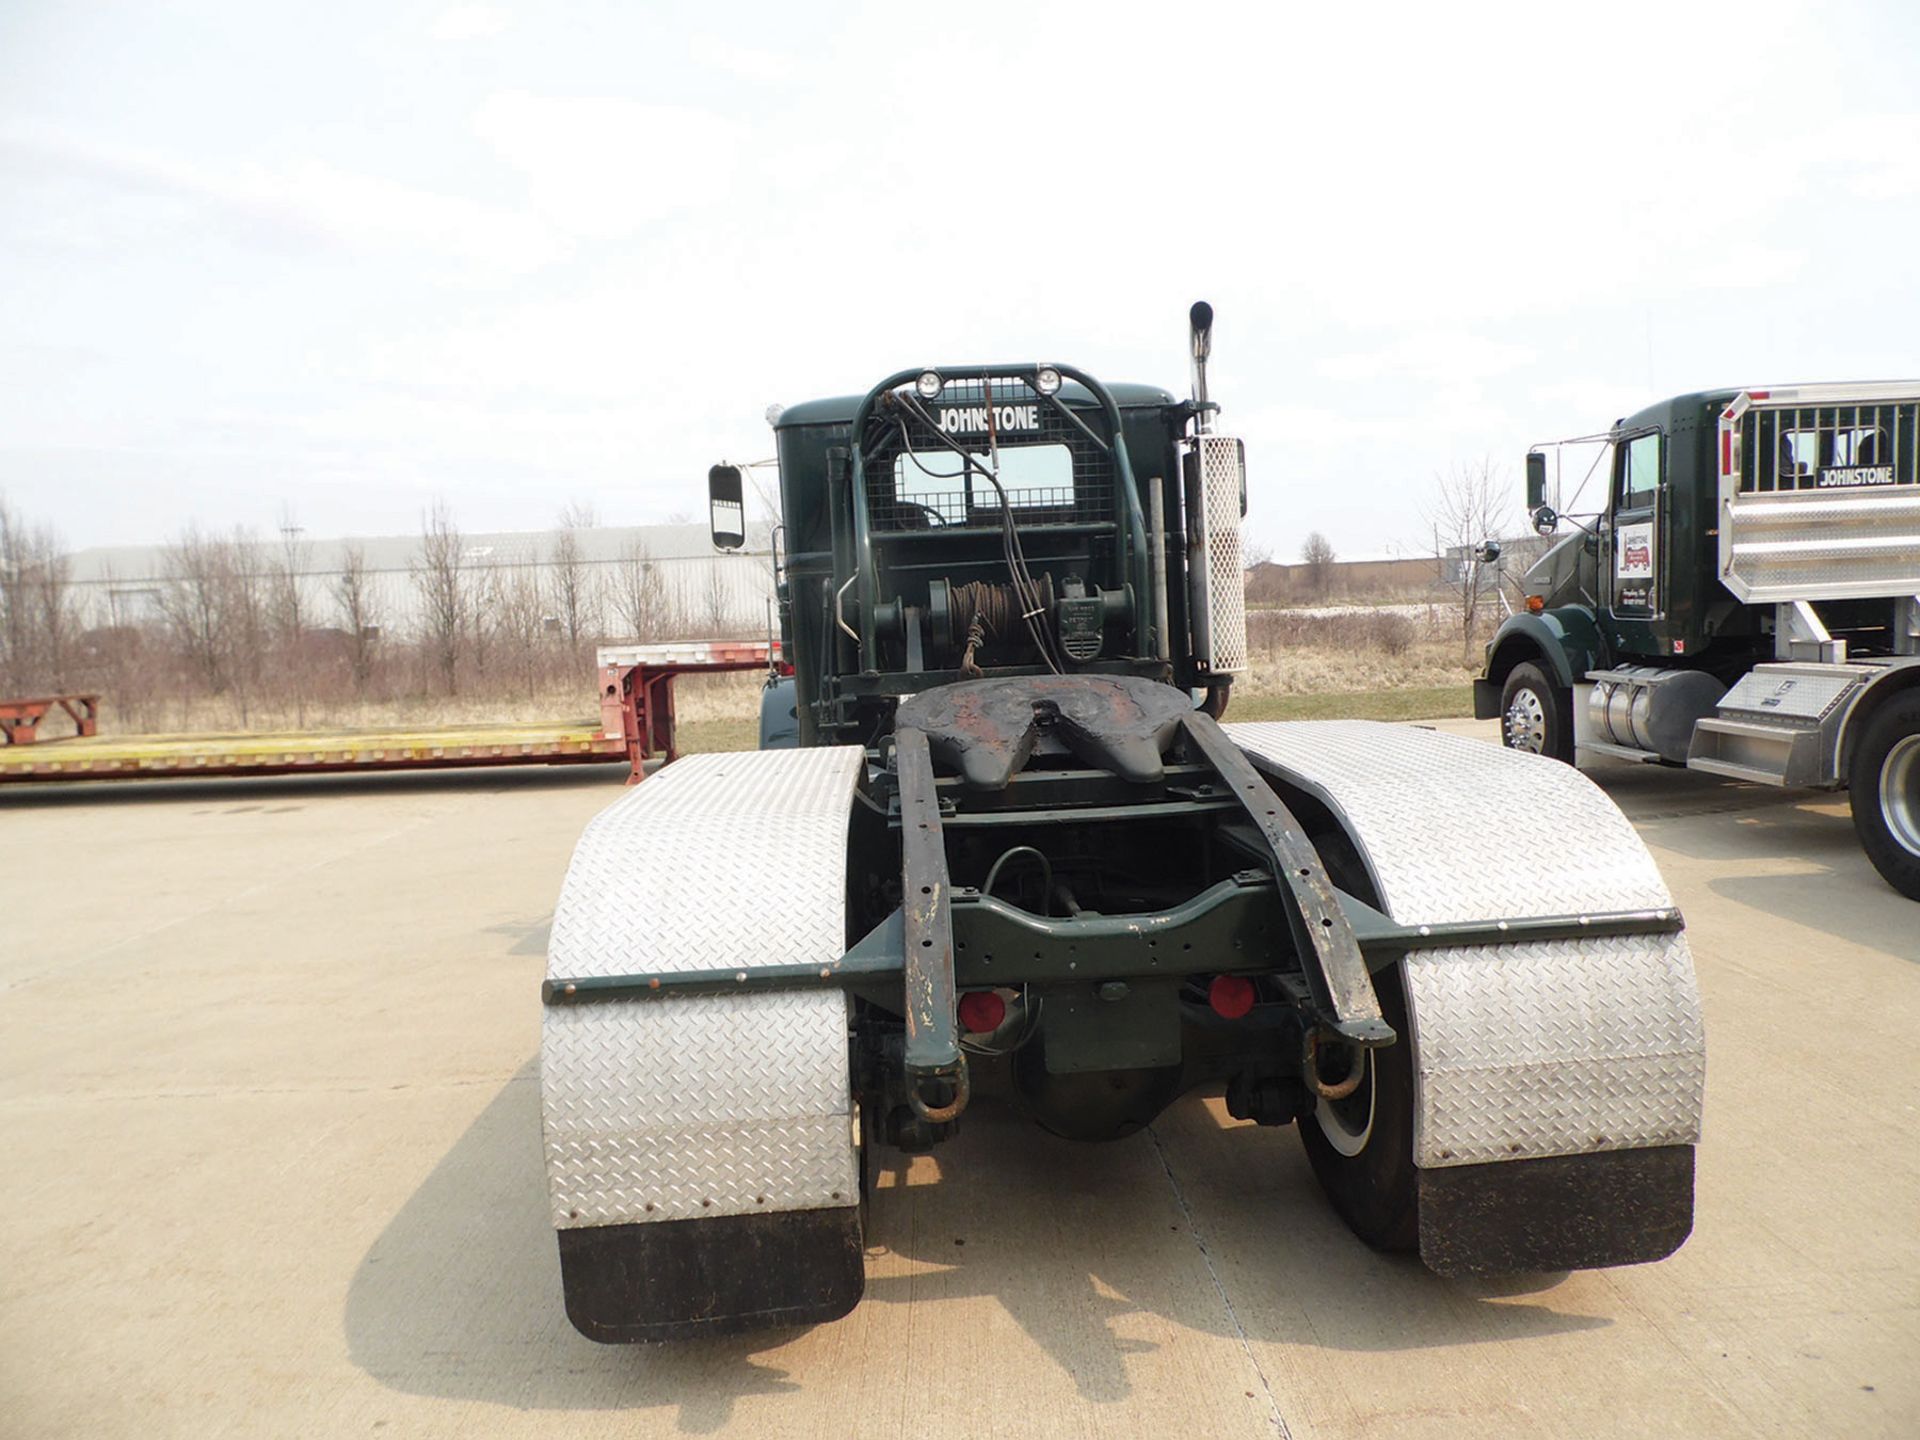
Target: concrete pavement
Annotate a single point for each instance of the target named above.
(271, 1136)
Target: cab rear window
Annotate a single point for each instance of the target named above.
(939, 485)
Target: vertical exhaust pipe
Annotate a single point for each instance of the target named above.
(1200, 328)
(1213, 469)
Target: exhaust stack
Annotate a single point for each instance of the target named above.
(1200, 329)
(1213, 468)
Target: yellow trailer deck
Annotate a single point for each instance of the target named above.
(133, 757)
(635, 726)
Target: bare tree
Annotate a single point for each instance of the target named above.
(442, 585)
(520, 622)
(718, 596)
(485, 582)
(37, 621)
(16, 609)
(286, 606)
(640, 595)
(1317, 555)
(51, 579)
(574, 591)
(287, 616)
(196, 576)
(360, 614)
(1470, 505)
(248, 632)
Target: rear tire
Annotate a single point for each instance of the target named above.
(1884, 778)
(1361, 1148)
(1536, 715)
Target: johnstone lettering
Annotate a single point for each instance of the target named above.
(1857, 475)
(972, 419)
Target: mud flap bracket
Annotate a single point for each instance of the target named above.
(1336, 972)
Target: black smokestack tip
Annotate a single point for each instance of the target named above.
(1200, 317)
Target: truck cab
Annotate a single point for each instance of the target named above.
(1745, 601)
(904, 570)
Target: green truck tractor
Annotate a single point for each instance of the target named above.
(1746, 602)
(999, 843)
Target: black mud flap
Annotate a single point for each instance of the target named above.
(1486, 700)
(1567, 1212)
(681, 1279)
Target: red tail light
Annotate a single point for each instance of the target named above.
(981, 1011)
(1231, 996)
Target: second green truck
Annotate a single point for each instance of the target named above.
(1745, 602)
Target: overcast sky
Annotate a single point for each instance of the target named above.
(343, 259)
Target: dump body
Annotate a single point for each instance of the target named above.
(1819, 492)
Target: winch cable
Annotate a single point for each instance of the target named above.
(988, 608)
(1028, 593)
(1033, 608)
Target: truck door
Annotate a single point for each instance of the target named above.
(1636, 539)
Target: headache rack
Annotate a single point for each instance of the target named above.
(1053, 471)
(1820, 492)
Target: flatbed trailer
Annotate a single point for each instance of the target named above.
(635, 727)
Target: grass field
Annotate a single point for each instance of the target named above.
(1420, 702)
(1364, 666)
(1430, 702)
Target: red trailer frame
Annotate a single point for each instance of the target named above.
(20, 719)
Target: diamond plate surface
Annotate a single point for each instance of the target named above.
(1551, 1048)
(1822, 544)
(1556, 1048)
(699, 1107)
(1457, 829)
(1786, 692)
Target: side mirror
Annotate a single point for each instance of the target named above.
(1488, 552)
(1545, 522)
(727, 508)
(1536, 480)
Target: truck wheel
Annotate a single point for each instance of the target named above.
(1361, 1148)
(1536, 715)
(1884, 778)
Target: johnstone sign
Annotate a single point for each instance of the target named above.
(972, 419)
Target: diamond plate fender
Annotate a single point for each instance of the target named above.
(692, 1108)
(1521, 1051)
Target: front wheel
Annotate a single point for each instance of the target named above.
(1536, 715)
(1884, 778)
(1361, 1147)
